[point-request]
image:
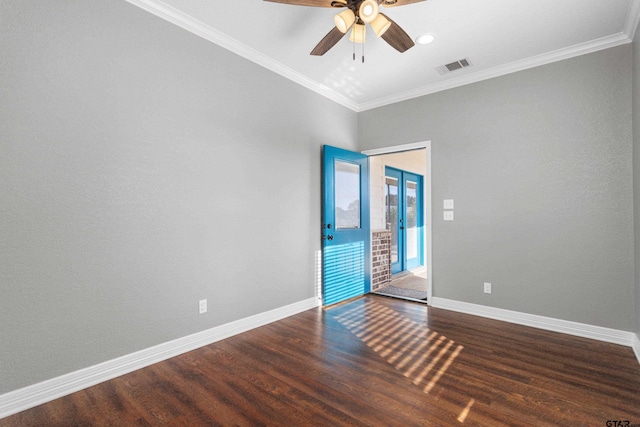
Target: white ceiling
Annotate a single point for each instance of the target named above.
(497, 36)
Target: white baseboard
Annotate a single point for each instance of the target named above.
(636, 346)
(46, 391)
(599, 333)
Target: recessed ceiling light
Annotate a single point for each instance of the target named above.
(425, 39)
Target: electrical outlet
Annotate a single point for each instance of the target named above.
(487, 288)
(202, 305)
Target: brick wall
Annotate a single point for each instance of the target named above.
(380, 259)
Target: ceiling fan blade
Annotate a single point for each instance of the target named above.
(391, 3)
(397, 37)
(313, 3)
(327, 42)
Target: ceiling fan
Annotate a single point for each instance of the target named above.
(356, 15)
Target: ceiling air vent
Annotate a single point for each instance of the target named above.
(457, 65)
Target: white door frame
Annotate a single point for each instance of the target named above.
(426, 197)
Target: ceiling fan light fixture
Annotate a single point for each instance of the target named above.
(368, 10)
(358, 33)
(344, 20)
(380, 25)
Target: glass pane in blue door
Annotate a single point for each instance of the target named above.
(347, 195)
(411, 194)
(392, 210)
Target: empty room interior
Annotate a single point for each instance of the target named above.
(201, 223)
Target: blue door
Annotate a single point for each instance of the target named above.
(404, 217)
(413, 221)
(345, 225)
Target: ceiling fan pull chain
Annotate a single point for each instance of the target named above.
(364, 29)
(354, 49)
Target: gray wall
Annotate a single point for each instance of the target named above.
(539, 165)
(636, 170)
(142, 169)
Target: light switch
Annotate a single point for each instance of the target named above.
(448, 215)
(448, 204)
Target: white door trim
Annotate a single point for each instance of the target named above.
(426, 197)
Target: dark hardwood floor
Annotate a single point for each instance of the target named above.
(374, 361)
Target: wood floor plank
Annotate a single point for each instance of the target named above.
(371, 361)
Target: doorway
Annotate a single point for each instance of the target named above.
(351, 225)
(400, 206)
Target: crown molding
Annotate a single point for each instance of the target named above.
(633, 17)
(203, 30)
(176, 17)
(532, 62)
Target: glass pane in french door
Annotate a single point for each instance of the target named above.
(411, 219)
(391, 209)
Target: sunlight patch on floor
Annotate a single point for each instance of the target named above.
(465, 411)
(420, 354)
